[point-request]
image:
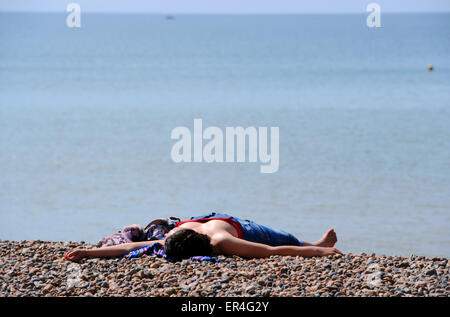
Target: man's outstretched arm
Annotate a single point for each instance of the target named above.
(106, 252)
(228, 245)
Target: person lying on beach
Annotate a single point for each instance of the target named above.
(221, 234)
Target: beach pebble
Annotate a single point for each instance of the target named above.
(38, 269)
(431, 272)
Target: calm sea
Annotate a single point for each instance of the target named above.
(86, 116)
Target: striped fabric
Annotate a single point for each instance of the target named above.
(138, 252)
(205, 258)
(157, 249)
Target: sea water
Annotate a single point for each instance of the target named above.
(86, 116)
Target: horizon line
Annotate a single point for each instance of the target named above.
(226, 13)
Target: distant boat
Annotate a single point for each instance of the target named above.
(170, 17)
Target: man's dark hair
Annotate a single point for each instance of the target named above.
(186, 243)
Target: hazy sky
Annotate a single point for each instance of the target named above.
(228, 6)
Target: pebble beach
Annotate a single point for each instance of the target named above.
(37, 268)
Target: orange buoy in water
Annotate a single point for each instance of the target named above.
(430, 67)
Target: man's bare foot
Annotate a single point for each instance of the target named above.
(329, 239)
